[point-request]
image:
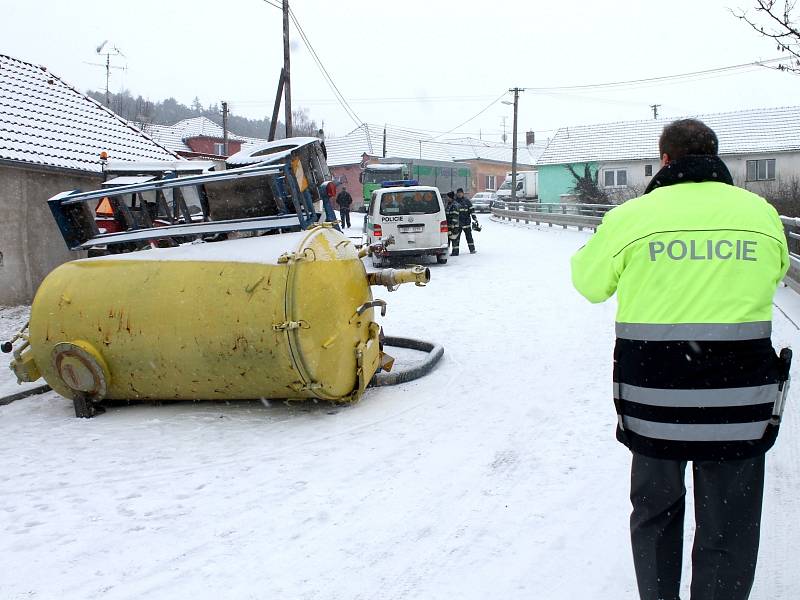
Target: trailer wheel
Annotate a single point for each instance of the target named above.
(441, 259)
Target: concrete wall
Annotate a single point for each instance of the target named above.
(30, 242)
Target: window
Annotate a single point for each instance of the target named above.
(407, 203)
(761, 170)
(489, 181)
(219, 149)
(648, 170)
(615, 178)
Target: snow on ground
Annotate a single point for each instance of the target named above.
(496, 476)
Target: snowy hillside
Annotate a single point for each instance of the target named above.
(496, 476)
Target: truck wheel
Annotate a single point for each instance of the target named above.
(441, 259)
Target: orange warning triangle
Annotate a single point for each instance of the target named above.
(104, 208)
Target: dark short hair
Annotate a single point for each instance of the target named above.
(450, 194)
(687, 136)
(460, 190)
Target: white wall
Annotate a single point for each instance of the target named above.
(787, 167)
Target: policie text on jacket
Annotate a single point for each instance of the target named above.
(704, 250)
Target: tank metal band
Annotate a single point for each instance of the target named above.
(727, 432)
(699, 332)
(711, 398)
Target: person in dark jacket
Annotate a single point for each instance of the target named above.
(694, 263)
(466, 219)
(452, 214)
(345, 201)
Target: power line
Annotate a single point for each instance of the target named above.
(384, 100)
(614, 84)
(348, 109)
(492, 103)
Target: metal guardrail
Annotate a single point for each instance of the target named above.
(589, 216)
(791, 226)
(566, 215)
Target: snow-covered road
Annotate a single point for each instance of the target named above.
(496, 476)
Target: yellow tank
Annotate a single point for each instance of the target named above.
(281, 316)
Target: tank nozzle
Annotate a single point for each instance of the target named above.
(392, 278)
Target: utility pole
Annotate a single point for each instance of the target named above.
(655, 110)
(287, 85)
(514, 146)
(273, 125)
(505, 137)
(384, 141)
(225, 126)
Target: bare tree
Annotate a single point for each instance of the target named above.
(586, 188)
(775, 21)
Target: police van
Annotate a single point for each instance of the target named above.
(413, 215)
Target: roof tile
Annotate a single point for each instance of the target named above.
(45, 121)
(740, 132)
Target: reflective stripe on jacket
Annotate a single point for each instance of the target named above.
(694, 267)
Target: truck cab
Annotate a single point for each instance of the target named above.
(413, 217)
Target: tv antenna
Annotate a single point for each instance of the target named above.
(108, 50)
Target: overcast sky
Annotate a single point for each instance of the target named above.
(419, 64)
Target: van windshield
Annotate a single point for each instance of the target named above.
(409, 203)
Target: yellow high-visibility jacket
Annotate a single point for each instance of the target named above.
(694, 267)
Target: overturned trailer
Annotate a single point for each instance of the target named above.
(285, 311)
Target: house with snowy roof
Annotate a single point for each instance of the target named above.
(761, 148)
(491, 162)
(488, 163)
(51, 140)
(198, 137)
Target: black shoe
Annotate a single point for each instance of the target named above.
(473, 251)
(454, 253)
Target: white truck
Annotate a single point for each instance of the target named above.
(527, 187)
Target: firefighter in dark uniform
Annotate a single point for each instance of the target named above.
(695, 263)
(466, 220)
(453, 214)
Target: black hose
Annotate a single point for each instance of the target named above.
(40, 389)
(434, 354)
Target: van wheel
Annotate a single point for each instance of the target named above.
(441, 259)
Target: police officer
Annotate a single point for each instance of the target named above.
(695, 263)
(466, 218)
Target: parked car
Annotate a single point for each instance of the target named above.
(482, 201)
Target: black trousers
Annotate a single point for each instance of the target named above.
(470, 242)
(344, 216)
(727, 499)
